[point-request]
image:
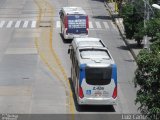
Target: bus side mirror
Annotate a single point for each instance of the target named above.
(69, 49)
(60, 12)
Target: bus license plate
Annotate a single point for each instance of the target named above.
(97, 93)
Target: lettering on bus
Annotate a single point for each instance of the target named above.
(78, 23)
(98, 88)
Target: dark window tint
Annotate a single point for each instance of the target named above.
(98, 76)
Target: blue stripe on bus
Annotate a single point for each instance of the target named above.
(114, 73)
(82, 73)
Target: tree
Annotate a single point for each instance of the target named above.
(127, 14)
(153, 27)
(147, 76)
(133, 22)
(133, 15)
(139, 33)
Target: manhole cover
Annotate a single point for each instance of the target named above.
(45, 24)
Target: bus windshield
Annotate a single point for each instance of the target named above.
(98, 76)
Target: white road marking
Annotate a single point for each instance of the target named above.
(58, 25)
(33, 25)
(17, 24)
(21, 51)
(25, 24)
(90, 25)
(106, 25)
(2, 23)
(9, 25)
(98, 25)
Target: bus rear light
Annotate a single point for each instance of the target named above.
(114, 93)
(80, 92)
(86, 31)
(87, 22)
(66, 22)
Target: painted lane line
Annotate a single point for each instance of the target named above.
(90, 25)
(106, 25)
(2, 23)
(17, 24)
(98, 25)
(58, 25)
(25, 24)
(34, 23)
(9, 25)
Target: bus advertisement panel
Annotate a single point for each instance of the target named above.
(77, 24)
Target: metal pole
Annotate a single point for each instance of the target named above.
(146, 18)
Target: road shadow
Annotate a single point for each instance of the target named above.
(102, 17)
(90, 108)
(130, 60)
(98, 0)
(131, 46)
(68, 41)
(123, 47)
(135, 46)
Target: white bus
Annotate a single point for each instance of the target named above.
(74, 22)
(93, 72)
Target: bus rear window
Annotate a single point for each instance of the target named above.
(98, 76)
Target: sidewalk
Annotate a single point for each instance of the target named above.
(132, 45)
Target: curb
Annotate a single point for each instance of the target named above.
(121, 33)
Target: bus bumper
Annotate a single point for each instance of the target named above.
(71, 36)
(97, 101)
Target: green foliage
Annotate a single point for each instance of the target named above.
(139, 32)
(127, 14)
(153, 27)
(147, 76)
(132, 20)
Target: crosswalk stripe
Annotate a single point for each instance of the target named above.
(25, 24)
(9, 25)
(2, 23)
(17, 24)
(98, 25)
(106, 25)
(90, 25)
(33, 25)
(58, 24)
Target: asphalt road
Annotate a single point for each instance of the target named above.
(35, 66)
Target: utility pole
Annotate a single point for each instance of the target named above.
(147, 9)
(146, 17)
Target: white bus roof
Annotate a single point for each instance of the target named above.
(88, 41)
(92, 52)
(94, 57)
(73, 10)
